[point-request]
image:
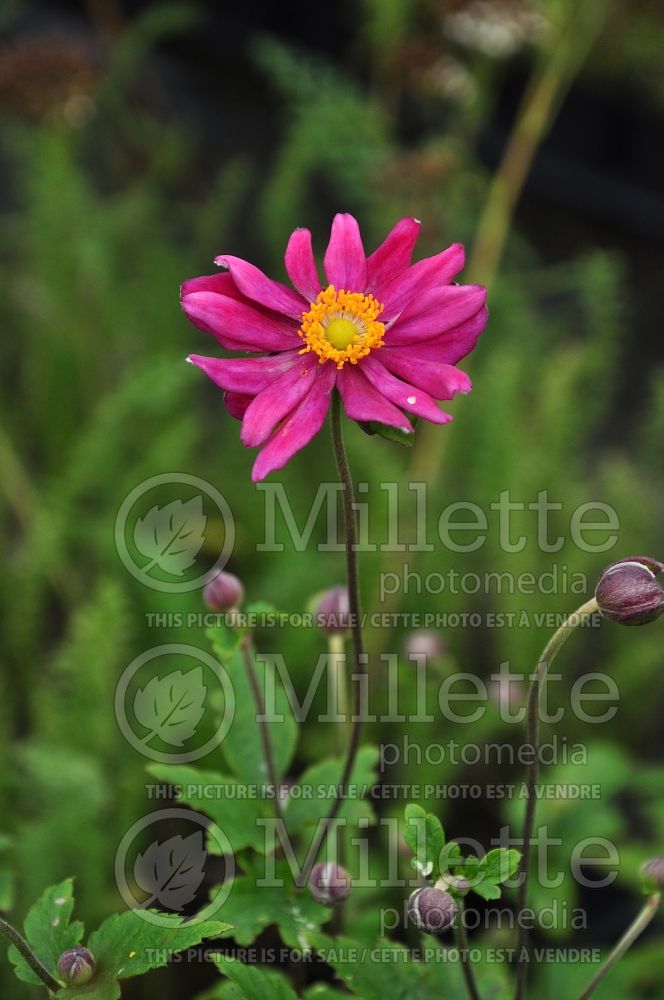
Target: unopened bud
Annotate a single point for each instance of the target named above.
(329, 883)
(432, 910)
(76, 966)
(223, 592)
(629, 592)
(333, 611)
(424, 642)
(652, 874)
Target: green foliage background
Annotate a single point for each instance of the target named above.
(96, 398)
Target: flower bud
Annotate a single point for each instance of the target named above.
(432, 910)
(333, 611)
(223, 592)
(329, 883)
(76, 966)
(424, 642)
(629, 593)
(652, 874)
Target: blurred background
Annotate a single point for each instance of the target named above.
(139, 140)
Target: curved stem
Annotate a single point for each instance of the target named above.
(250, 666)
(626, 941)
(464, 955)
(28, 954)
(532, 740)
(359, 658)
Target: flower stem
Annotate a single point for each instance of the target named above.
(250, 666)
(532, 740)
(464, 955)
(627, 940)
(28, 954)
(359, 657)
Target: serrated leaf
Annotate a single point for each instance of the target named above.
(48, 931)
(252, 982)
(228, 802)
(366, 975)
(127, 945)
(171, 872)
(500, 864)
(171, 707)
(171, 536)
(242, 746)
(424, 835)
(310, 801)
(250, 908)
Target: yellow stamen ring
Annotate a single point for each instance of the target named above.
(342, 326)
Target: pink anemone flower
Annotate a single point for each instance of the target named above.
(386, 333)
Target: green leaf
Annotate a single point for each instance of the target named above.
(360, 968)
(253, 983)
(395, 434)
(310, 800)
(487, 890)
(225, 640)
(127, 945)
(227, 801)
(250, 908)
(425, 836)
(243, 747)
(487, 873)
(500, 864)
(48, 931)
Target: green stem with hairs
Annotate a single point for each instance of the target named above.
(533, 740)
(464, 954)
(270, 768)
(357, 638)
(28, 954)
(627, 940)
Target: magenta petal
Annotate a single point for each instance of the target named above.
(301, 265)
(363, 402)
(300, 427)
(222, 283)
(238, 326)
(435, 311)
(452, 345)
(236, 403)
(393, 255)
(440, 380)
(277, 401)
(246, 375)
(344, 262)
(259, 288)
(406, 396)
(428, 273)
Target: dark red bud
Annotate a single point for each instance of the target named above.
(333, 612)
(329, 883)
(223, 592)
(424, 642)
(432, 910)
(629, 592)
(76, 966)
(652, 874)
